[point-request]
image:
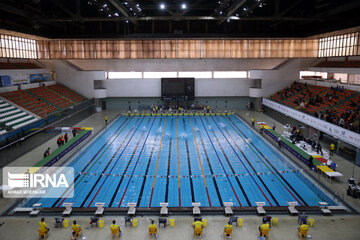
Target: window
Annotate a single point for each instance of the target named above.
(230, 74)
(196, 74)
(160, 74)
(113, 75)
(311, 75)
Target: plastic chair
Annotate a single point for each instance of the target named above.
(198, 232)
(115, 232)
(227, 234)
(265, 233)
(303, 233)
(153, 232)
(59, 222)
(42, 234)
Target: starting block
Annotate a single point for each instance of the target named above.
(35, 209)
(132, 209)
(68, 208)
(196, 208)
(228, 210)
(260, 208)
(164, 209)
(100, 208)
(292, 209)
(324, 208)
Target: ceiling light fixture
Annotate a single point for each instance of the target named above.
(183, 6)
(162, 6)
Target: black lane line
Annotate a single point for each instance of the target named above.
(188, 160)
(76, 178)
(168, 166)
(112, 158)
(210, 167)
(127, 166)
(137, 161)
(167, 175)
(147, 170)
(273, 167)
(252, 167)
(230, 165)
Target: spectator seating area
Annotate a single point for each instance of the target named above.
(43, 100)
(339, 64)
(12, 117)
(335, 105)
(64, 91)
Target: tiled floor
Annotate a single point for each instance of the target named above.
(332, 227)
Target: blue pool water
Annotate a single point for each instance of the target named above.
(184, 159)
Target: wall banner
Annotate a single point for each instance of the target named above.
(343, 134)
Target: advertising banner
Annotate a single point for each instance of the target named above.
(343, 134)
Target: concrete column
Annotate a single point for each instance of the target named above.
(357, 157)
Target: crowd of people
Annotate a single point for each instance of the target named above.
(306, 97)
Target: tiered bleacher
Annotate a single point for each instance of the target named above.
(51, 97)
(29, 102)
(44, 100)
(18, 65)
(339, 64)
(335, 105)
(12, 117)
(66, 92)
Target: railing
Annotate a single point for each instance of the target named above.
(35, 134)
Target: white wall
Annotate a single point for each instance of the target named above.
(230, 87)
(274, 80)
(80, 81)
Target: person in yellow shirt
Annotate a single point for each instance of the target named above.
(264, 230)
(152, 229)
(332, 148)
(43, 227)
(303, 230)
(228, 229)
(76, 228)
(252, 121)
(106, 118)
(115, 229)
(198, 226)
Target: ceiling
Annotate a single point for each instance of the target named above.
(178, 18)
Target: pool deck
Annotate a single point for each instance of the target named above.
(344, 226)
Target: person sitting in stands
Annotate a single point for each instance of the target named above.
(303, 230)
(115, 230)
(77, 229)
(228, 230)
(264, 230)
(198, 227)
(152, 229)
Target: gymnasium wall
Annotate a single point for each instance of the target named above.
(80, 81)
(204, 87)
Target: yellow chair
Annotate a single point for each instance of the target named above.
(303, 231)
(311, 222)
(198, 232)
(153, 232)
(227, 234)
(265, 233)
(115, 232)
(42, 233)
(77, 230)
(275, 221)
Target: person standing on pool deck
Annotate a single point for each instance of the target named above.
(279, 141)
(106, 118)
(252, 121)
(319, 148)
(332, 148)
